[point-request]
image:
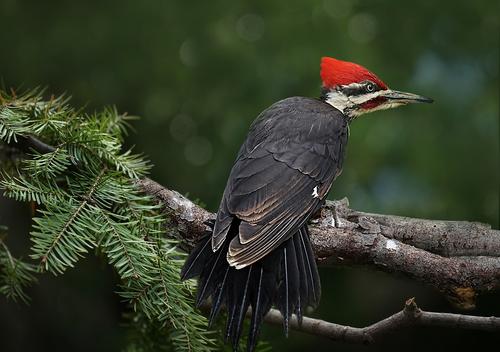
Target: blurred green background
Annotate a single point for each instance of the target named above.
(199, 72)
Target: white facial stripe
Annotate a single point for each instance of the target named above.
(363, 98)
(338, 100)
(347, 104)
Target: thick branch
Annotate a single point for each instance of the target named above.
(447, 238)
(190, 220)
(379, 241)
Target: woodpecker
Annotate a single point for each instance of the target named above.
(259, 254)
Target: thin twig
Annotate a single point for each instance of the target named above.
(409, 316)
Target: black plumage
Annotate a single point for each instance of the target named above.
(259, 253)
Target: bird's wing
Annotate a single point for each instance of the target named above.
(281, 175)
(273, 192)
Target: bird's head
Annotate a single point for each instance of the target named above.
(354, 90)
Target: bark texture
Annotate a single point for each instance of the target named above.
(459, 258)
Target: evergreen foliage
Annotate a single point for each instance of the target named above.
(86, 201)
(15, 274)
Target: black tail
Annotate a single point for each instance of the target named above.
(286, 278)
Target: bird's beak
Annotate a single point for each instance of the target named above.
(396, 97)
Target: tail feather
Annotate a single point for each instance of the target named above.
(289, 290)
(205, 284)
(303, 282)
(256, 318)
(218, 296)
(231, 314)
(311, 269)
(298, 269)
(195, 263)
(242, 310)
(286, 299)
(232, 295)
(264, 296)
(286, 278)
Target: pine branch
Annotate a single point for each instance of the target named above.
(65, 232)
(115, 241)
(15, 275)
(23, 189)
(82, 182)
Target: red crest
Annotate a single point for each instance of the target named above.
(336, 72)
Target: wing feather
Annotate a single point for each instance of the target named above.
(291, 149)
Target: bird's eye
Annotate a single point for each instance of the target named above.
(370, 87)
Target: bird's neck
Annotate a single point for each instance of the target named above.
(340, 102)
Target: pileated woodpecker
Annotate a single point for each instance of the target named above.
(259, 253)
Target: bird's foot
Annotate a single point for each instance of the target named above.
(336, 221)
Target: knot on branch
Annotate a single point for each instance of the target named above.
(411, 310)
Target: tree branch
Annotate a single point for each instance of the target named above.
(409, 316)
(461, 259)
(378, 241)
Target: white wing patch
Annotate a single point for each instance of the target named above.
(315, 192)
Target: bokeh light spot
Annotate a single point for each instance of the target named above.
(182, 127)
(187, 53)
(362, 28)
(338, 8)
(250, 27)
(198, 151)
